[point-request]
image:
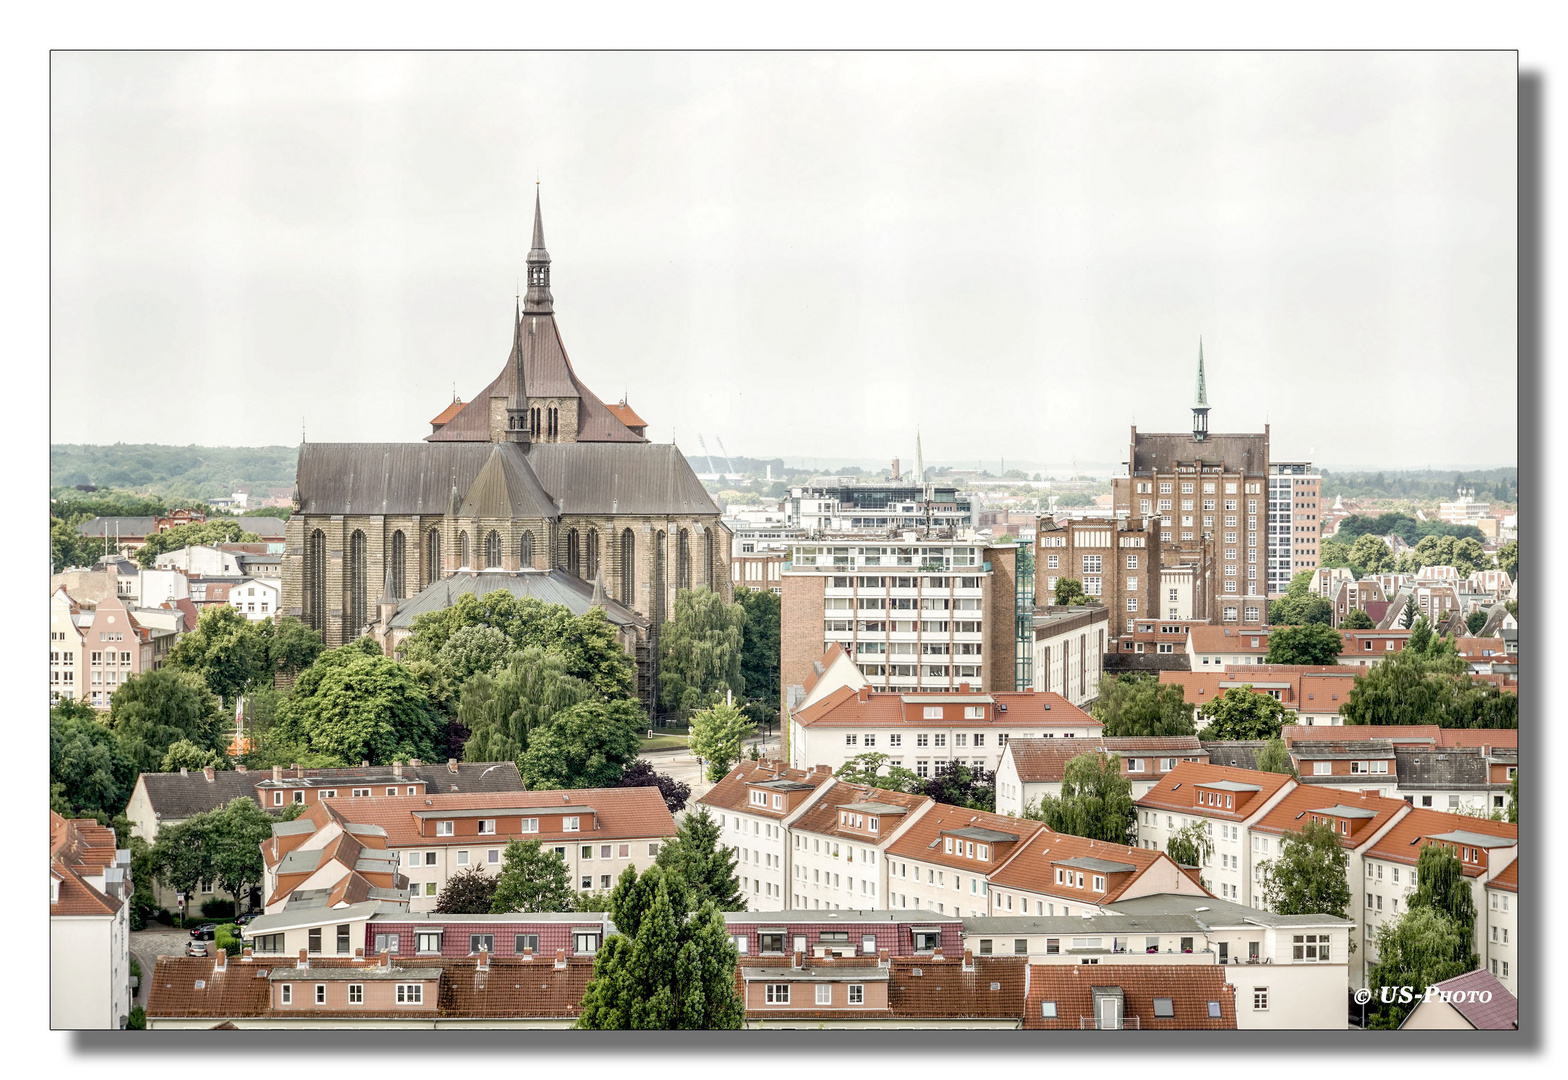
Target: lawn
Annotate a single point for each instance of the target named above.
(663, 742)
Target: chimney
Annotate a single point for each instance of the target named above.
(397, 769)
(359, 955)
(245, 955)
(882, 958)
(385, 960)
(304, 960)
(451, 764)
(364, 764)
(528, 953)
(864, 694)
(221, 963)
(797, 960)
(484, 960)
(184, 771)
(936, 953)
(241, 768)
(963, 688)
(415, 762)
(827, 956)
(560, 958)
(969, 960)
(277, 773)
(209, 772)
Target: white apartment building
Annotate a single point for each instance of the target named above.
(837, 846)
(67, 648)
(1069, 647)
(753, 806)
(89, 926)
(1501, 956)
(257, 599)
(1295, 522)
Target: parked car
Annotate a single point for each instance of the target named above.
(196, 948)
(245, 920)
(204, 932)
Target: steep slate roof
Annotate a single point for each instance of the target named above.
(992, 989)
(1042, 761)
(620, 478)
(118, 526)
(506, 487)
(1500, 1010)
(1238, 754)
(1190, 987)
(1238, 453)
(555, 586)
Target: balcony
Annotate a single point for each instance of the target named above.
(1089, 1023)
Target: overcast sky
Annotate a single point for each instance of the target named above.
(801, 254)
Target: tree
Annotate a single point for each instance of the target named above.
(759, 656)
(474, 649)
(1409, 688)
(867, 769)
(226, 649)
(586, 746)
(700, 651)
(1310, 643)
(468, 892)
(353, 705)
(1096, 801)
(180, 536)
(1513, 799)
(1356, 619)
(641, 773)
(88, 771)
(588, 645)
(292, 646)
(1137, 703)
(179, 857)
(1508, 558)
(1423, 947)
(958, 784)
(232, 836)
(1333, 553)
(1475, 621)
(1241, 714)
(1191, 845)
(152, 711)
(68, 548)
(716, 737)
(532, 879)
(1441, 884)
(665, 968)
(1069, 592)
(184, 754)
(1370, 555)
(500, 713)
(1420, 642)
(1300, 606)
(1275, 758)
(704, 866)
(1308, 876)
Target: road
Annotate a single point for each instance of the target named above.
(682, 765)
(147, 945)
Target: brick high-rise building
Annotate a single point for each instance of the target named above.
(1206, 491)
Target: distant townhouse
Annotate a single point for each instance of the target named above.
(118, 648)
(1054, 873)
(1313, 694)
(89, 926)
(1215, 647)
(1366, 647)
(921, 731)
(1032, 769)
(201, 560)
(323, 857)
(68, 668)
(838, 844)
(1069, 650)
(753, 806)
(1165, 638)
(1124, 998)
(256, 598)
(1227, 802)
(844, 932)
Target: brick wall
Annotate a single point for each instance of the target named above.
(800, 638)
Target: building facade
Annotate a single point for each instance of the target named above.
(1295, 523)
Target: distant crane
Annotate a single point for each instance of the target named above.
(713, 472)
(728, 464)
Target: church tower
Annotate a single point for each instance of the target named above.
(1200, 404)
(538, 300)
(519, 425)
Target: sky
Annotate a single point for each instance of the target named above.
(799, 254)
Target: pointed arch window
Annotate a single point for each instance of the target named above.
(525, 550)
(316, 581)
(399, 559)
(656, 602)
(593, 554)
(534, 419)
(683, 560)
(628, 567)
(574, 553)
(493, 550)
(462, 550)
(432, 556)
(356, 584)
(708, 559)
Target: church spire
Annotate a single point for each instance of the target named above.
(1200, 404)
(539, 300)
(517, 409)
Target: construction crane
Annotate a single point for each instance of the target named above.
(713, 472)
(728, 464)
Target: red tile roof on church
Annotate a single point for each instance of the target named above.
(624, 413)
(449, 412)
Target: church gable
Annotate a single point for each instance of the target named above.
(506, 488)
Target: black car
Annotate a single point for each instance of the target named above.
(204, 932)
(244, 920)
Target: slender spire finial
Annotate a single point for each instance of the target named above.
(539, 299)
(1200, 404)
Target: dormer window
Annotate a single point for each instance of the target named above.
(876, 824)
(778, 802)
(444, 828)
(759, 798)
(983, 852)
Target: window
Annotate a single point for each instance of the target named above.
(462, 858)
(299, 797)
(277, 798)
(585, 942)
(288, 994)
(430, 858)
(824, 993)
(314, 940)
(487, 826)
(358, 793)
(777, 993)
(1163, 1008)
(857, 994)
(427, 941)
(384, 943)
(571, 824)
(410, 993)
(1260, 999)
(933, 712)
(343, 939)
(356, 993)
(321, 993)
(444, 828)
(770, 942)
(653, 849)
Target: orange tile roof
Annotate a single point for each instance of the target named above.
(1190, 988)
(1507, 877)
(923, 839)
(833, 653)
(624, 413)
(1171, 793)
(1028, 708)
(1043, 761)
(449, 412)
(1501, 737)
(240, 990)
(1203, 638)
(623, 813)
(77, 897)
(1032, 866)
(730, 792)
(1297, 809)
(822, 816)
(993, 988)
(1403, 844)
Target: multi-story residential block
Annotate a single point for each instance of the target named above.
(1367, 647)
(1501, 957)
(1069, 650)
(1312, 694)
(922, 731)
(322, 857)
(914, 614)
(118, 647)
(536, 934)
(753, 806)
(256, 598)
(1032, 769)
(843, 932)
(944, 862)
(1054, 873)
(759, 570)
(1295, 522)
(839, 504)
(1226, 802)
(202, 560)
(68, 625)
(837, 845)
(1210, 647)
(89, 926)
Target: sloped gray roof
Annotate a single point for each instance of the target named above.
(507, 488)
(118, 526)
(551, 586)
(1236, 754)
(1441, 769)
(620, 478)
(385, 478)
(1238, 453)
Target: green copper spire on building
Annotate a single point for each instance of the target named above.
(1200, 406)
(1202, 401)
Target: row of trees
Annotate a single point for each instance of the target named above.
(710, 651)
(952, 782)
(1369, 554)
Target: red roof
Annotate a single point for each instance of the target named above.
(1308, 802)
(1403, 843)
(449, 412)
(1507, 878)
(622, 813)
(624, 413)
(823, 818)
(1043, 761)
(1204, 638)
(1189, 988)
(1504, 737)
(1173, 792)
(1499, 1011)
(1032, 866)
(730, 793)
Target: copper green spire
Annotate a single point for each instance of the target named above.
(1202, 401)
(1200, 406)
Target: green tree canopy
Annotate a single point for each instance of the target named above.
(641, 773)
(700, 651)
(873, 770)
(184, 754)
(1513, 799)
(1333, 553)
(475, 650)
(1310, 643)
(1300, 605)
(226, 649)
(1241, 714)
(68, 548)
(1308, 875)
(1356, 619)
(292, 646)
(1191, 845)
(1508, 558)
(1424, 946)
(587, 644)
(206, 532)
(759, 655)
(716, 737)
(1275, 758)
(704, 866)
(1409, 688)
(232, 836)
(587, 745)
(532, 879)
(1441, 884)
(665, 968)
(1475, 621)
(958, 784)
(152, 711)
(1069, 592)
(1137, 704)
(1370, 555)
(87, 768)
(470, 891)
(502, 712)
(353, 705)
(1096, 801)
